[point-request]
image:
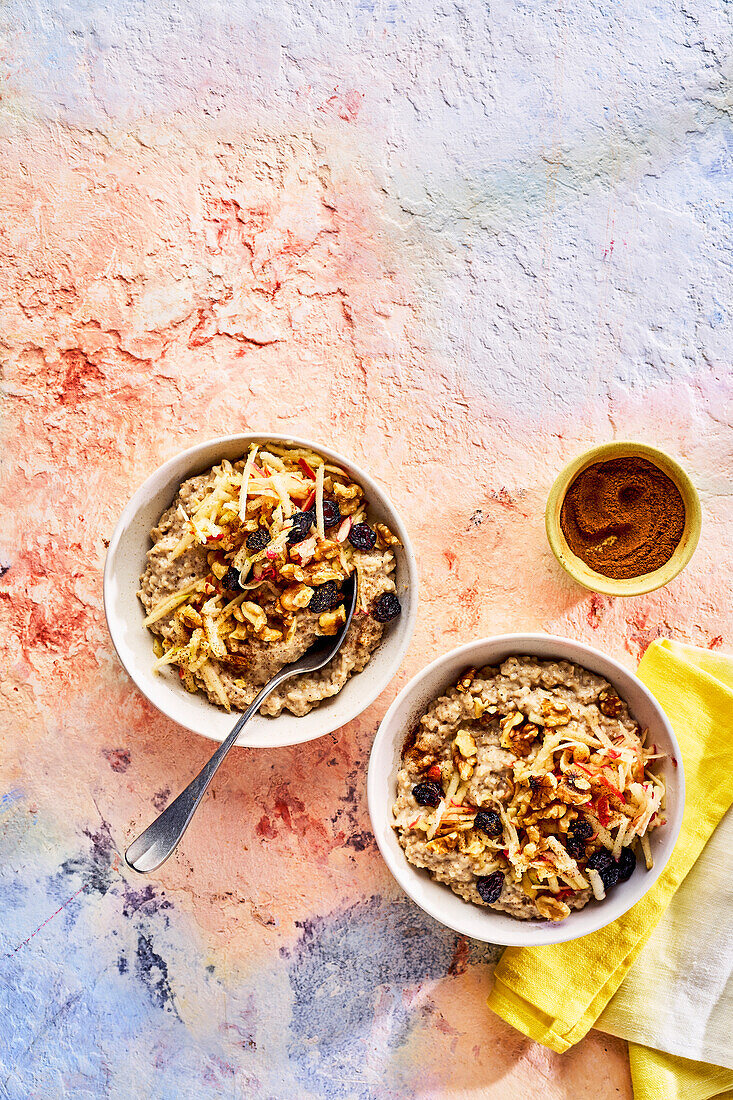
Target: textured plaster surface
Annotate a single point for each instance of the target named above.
(459, 241)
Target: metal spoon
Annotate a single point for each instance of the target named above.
(160, 839)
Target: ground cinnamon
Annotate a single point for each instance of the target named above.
(623, 517)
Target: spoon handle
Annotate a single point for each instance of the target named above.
(161, 837)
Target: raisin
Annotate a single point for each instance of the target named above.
(599, 860)
(301, 524)
(386, 607)
(427, 794)
(489, 822)
(574, 846)
(325, 598)
(331, 513)
(231, 580)
(609, 875)
(582, 829)
(490, 887)
(362, 537)
(626, 864)
(258, 540)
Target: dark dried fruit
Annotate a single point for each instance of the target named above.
(609, 875)
(489, 822)
(362, 537)
(490, 887)
(331, 513)
(626, 864)
(582, 828)
(386, 607)
(230, 581)
(575, 846)
(599, 860)
(258, 540)
(301, 525)
(325, 598)
(427, 794)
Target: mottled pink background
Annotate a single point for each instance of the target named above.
(460, 265)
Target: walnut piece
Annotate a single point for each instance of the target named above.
(551, 908)
(517, 734)
(296, 597)
(609, 703)
(466, 680)
(555, 713)
(330, 621)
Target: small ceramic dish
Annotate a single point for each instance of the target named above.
(134, 643)
(437, 899)
(646, 582)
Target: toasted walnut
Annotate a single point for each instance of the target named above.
(481, 709)
(219, 569)
(517, 734)
(346, 492)
(443, 843)
(573, 789)
(609, 703)
(555, 713)
(270, 635)
(419, 761)
(385, 537)
(254, 613)
(465, 743)
(548, 813)
(296, 597)
(465, 768)
(565, 823)
(291, 572)
(330, 621)
(510, 721)
(551, 908)
(464, 684)
(327, 550)
(323, 572)
(190, 616)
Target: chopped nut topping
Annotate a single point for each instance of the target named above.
(466, 680)
(610, 704)
(555, 713)
(517, 735)
(296, 597)
(330, 621)
(551, 908)
(465, 743)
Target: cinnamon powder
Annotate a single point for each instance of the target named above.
(623, 517)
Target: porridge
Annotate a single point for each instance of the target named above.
(528, 788)
(246, 573)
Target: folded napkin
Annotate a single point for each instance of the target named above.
(556, 994)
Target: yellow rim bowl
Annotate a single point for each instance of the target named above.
(646, 582)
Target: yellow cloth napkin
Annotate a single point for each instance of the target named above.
(659, 1076)
(555, 994)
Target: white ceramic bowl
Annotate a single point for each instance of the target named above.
(438, 900)
(134, 643)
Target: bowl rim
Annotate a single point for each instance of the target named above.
(164, 471)
(403, 872)
(645, 582)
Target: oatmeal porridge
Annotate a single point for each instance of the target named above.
(528, 788)
(246, 571)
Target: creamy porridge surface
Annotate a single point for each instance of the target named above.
(527, 788)
(245, 573)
